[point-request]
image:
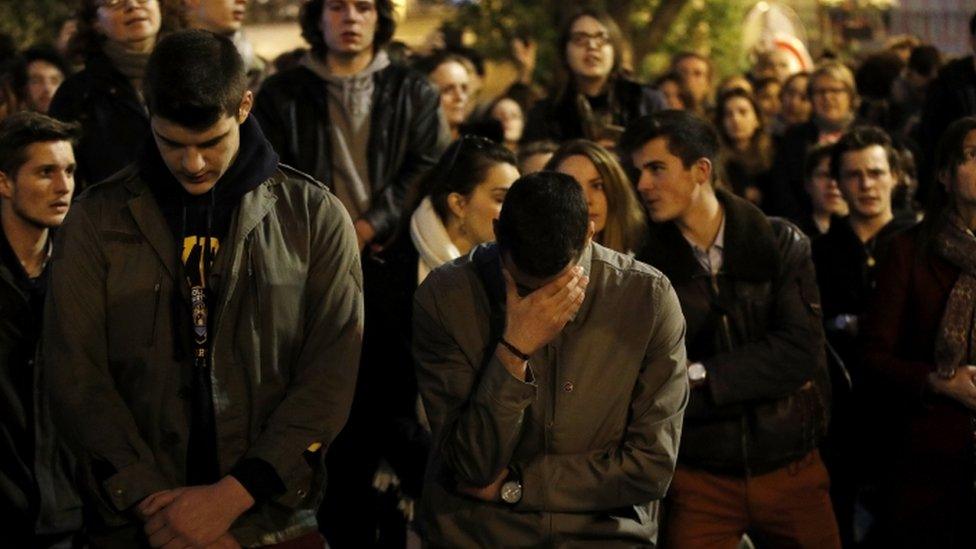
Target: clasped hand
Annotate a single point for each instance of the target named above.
(195, 516)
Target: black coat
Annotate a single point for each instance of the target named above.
(759, 337)
(37, 496)
(405, 137)
(784, 194)
(114, 123)
(557, 118)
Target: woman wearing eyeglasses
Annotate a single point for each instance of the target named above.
(594, 99)
(115, 37)
(834, 98)
(450, 212)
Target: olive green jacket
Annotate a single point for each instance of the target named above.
(593, 436)
(285, 345)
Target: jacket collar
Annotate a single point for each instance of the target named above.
(254, 206)
(750, 251)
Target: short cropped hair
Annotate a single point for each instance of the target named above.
(194, 78)
(689, 136)
(858, 139)
(23, 129)
(543, 223)
(310, 19)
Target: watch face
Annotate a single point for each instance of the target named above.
(511, 492)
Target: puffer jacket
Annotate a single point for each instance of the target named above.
(285, 343)
(405, 137)
(756, 327)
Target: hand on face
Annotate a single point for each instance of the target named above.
(536, 319)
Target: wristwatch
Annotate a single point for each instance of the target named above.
(696, 372)
(511, 491)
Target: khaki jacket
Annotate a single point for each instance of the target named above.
(593, 437)
(285, 345)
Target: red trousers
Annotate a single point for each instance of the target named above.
(788, 507)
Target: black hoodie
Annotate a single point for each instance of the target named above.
(195, 221)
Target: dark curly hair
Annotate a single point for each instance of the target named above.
(310, 20)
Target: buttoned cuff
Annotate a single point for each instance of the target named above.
(132, 484)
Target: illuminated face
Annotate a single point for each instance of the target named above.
(349, 26)
(452, 79)
(477, 211)
(131, 22)
(697, 76)
(794, 102)
(825, 195)
(509, 114)
(43, 80)
(589, 52)
(832, 101)
(962, 185)
(667, 187)
(866, 181)
(582, 169)
(672, 94)
(198, 158)
(217, 16)
(40, 192)
(740, 120)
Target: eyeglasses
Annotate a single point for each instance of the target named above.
(827, 91)
(583, 39)
(478, 142)
(119, 4)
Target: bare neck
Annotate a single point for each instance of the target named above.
(28, 241)
(591, 87)
(348, 65)
(702, 221)
(967, 213)
(867, 227)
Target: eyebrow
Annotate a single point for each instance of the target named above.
(205, 144)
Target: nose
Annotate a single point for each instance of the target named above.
(193, 162)
(64, 183)
(644, 182)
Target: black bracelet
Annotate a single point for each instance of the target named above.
(514, 350)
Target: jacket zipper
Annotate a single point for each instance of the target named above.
(727, 334)
(157, 290)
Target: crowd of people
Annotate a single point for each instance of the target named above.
(343, 298)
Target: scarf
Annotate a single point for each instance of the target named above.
(130, 63)
(956, 339)
(431, 239)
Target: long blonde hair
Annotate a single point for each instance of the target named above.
(626, 224)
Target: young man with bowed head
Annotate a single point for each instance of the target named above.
(552, 370)
(749, 460)
(206, 323)
(37, 167)
(350, 117)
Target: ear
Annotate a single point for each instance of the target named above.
(6, 187)
(456, 202)
(247, 102)
(702, 171)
